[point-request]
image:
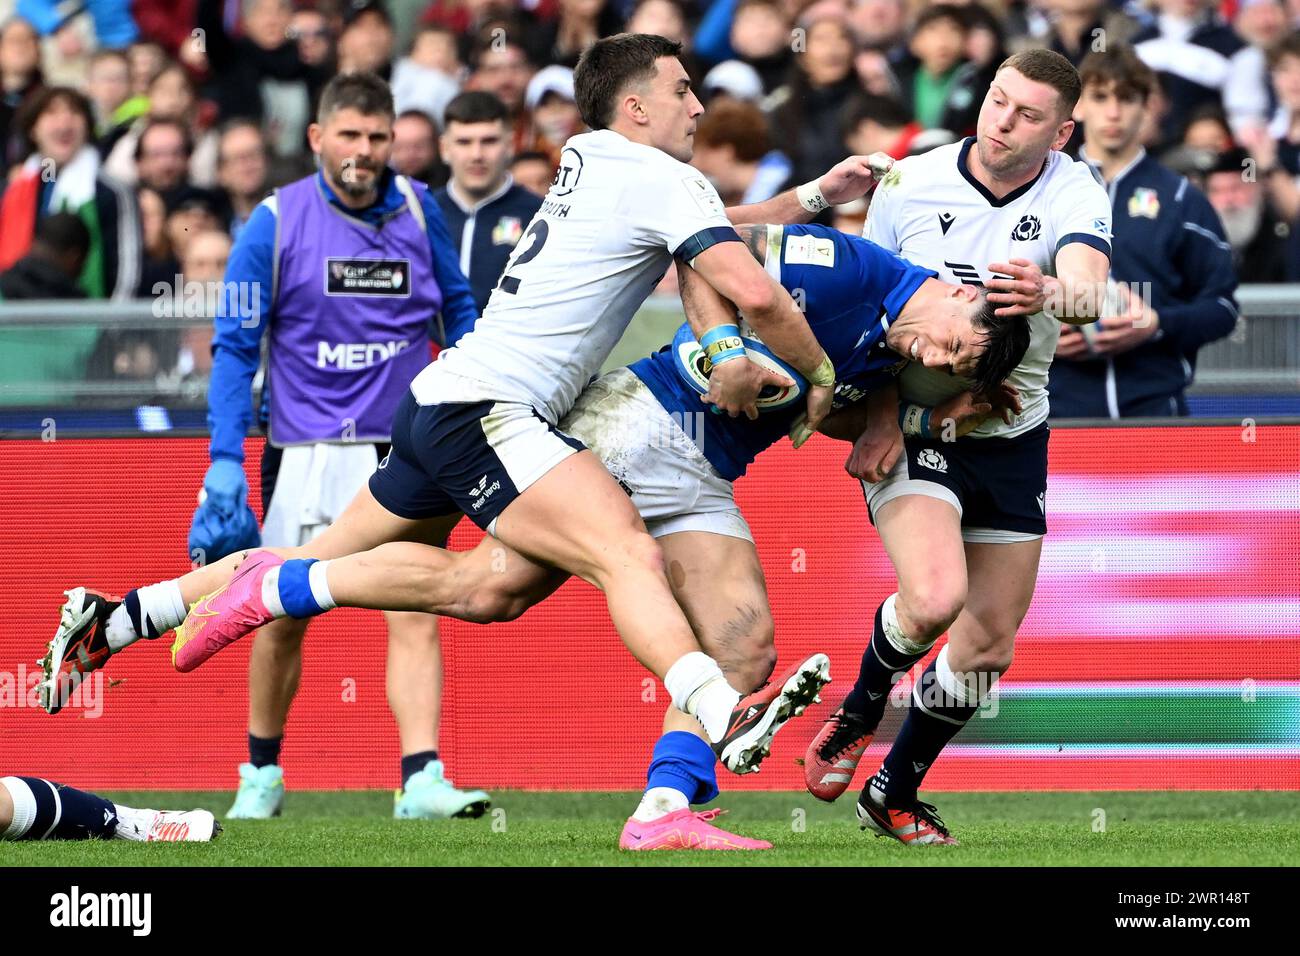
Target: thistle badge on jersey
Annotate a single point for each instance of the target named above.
(929, 458)
(1027, 229)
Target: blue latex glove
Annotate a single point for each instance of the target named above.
(225, 487)
(223, 523)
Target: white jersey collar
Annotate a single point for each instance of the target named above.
(963, 167)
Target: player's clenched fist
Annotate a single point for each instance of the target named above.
(854, 177)
(734, 386)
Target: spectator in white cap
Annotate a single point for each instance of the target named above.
(736, 79)
(551, 101)
(552, 79)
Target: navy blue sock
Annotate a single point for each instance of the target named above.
(47, 810)
(264, 751)
(686, 763)
(934, 718)
(143, 626)
(882, 662)
(414, 763)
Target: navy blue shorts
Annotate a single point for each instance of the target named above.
(997, 485)
(471, 458)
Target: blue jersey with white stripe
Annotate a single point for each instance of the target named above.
(850, 290)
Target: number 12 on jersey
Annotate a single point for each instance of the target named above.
(528, 249)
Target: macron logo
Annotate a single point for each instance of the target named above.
(73, 909)
(348, 357)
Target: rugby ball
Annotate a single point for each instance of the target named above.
(694, 367)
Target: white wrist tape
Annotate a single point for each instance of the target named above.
(912, 418)
(811, 198)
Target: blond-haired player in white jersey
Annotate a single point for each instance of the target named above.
(962, 520)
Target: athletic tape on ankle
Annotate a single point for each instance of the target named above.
(894, 631)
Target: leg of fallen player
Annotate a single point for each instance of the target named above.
(488, 583)
(718, 582)
(33, 808)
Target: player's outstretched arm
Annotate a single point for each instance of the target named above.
(847, 180)
(730, 269)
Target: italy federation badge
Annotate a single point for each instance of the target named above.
(1144, 202)
(507, 231)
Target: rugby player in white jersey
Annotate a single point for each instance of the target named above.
(962, 520)
(478, 434)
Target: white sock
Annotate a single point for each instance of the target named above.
(271, 592)
(320, 589)
(712, 705)
(121, 631)
(133, 824)
(965, 688)
(161, 605)
(699, 688)
(24, 803)
(658, 802)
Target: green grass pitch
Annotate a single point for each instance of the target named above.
(582, 829)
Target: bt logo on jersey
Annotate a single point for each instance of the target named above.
(1027, 229)
(568, 173)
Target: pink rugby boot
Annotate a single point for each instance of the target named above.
(684, 829)
(225, 615)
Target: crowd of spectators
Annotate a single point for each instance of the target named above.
(160, 124)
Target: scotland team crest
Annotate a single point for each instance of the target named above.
(507, 231)
(1027, 229)
(1144, 202)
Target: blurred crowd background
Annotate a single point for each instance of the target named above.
(138, 135)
